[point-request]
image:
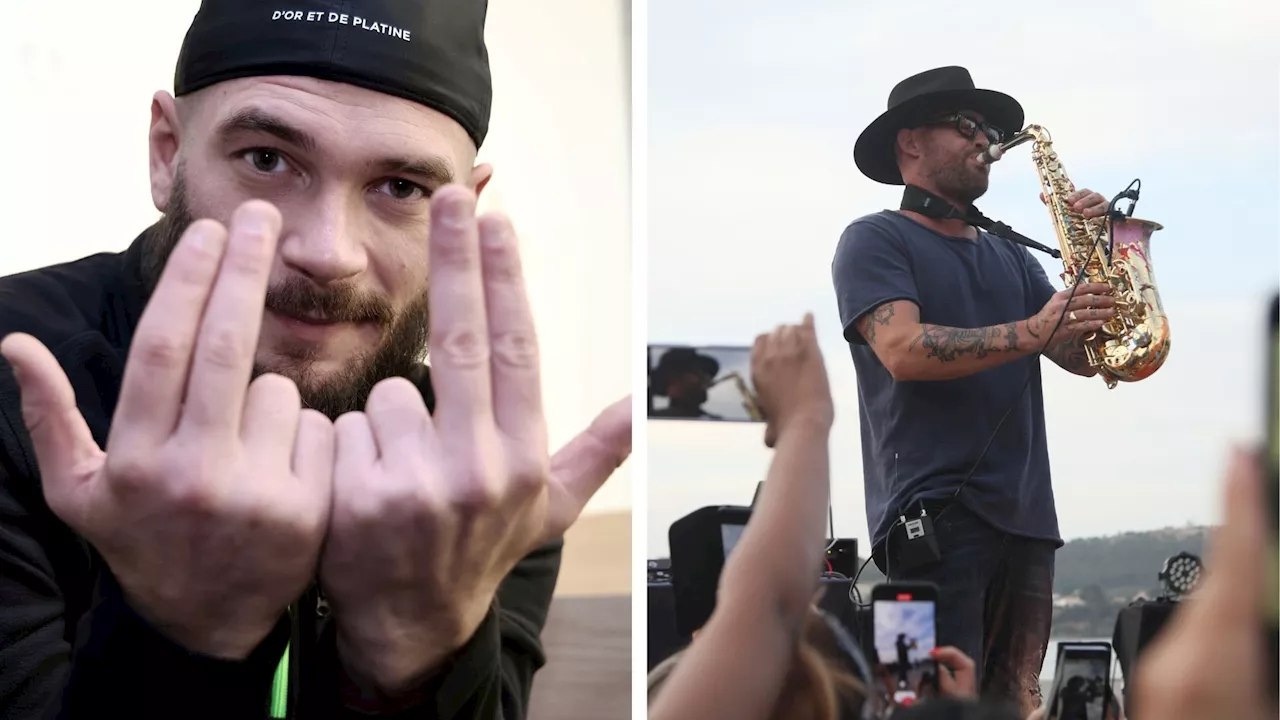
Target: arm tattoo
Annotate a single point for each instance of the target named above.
(1070, 356)
(951, 344)
(880, 316)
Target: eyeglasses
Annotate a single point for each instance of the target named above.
(969, 127)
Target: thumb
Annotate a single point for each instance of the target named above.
(581, 467)
(64, 446)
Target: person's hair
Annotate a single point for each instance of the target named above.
(819, 685)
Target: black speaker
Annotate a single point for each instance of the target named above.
(1136, 626)
(700, 542)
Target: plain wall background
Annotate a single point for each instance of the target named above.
(76, 81)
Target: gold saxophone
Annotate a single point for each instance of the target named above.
(748, 398)
(1134, 344)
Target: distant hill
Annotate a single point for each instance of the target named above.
(1106, 573)
(1095, 578)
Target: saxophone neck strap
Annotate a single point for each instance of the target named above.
(918, 200)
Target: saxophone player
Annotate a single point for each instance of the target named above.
(945, 323)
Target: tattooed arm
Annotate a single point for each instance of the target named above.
(912, 351)
(1070, 356)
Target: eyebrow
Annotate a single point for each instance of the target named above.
(434, 171)
(254, 120)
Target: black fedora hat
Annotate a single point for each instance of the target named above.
(914, 101)
(678, 360)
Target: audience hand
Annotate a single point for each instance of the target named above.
(791, 380)
(1208, 661)
(210, 502)
(430, 513)
(957, 674)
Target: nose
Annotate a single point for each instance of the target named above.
(320, 243)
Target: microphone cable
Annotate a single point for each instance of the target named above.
(1130, 193)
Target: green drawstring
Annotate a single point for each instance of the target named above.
(280, 688)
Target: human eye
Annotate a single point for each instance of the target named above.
(265, 160)
(404, 190)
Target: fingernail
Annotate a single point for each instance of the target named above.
(496, 233)
(454, 209)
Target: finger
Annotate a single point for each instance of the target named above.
(808, 321)
(228, 338)
(1091, 301)
(65, 449)
(581, 467)
(954, 659)
(517, 386)
(770, 435)
(1101, 289)
(398, 418)
(1238, 545)
(459, 330)
(156, 373)
(314, 451)
(271, 410)
(355, 450)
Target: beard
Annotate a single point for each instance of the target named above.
(399, 352)
(957, 179)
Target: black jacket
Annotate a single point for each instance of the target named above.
(71, 647)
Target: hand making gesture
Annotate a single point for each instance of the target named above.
(430, 513)
(211, 499)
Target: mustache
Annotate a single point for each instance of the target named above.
(298, 298)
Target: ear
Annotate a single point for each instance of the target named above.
(907, 144)
(163, 142)
(480, 177)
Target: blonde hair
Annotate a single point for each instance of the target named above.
(818, 683)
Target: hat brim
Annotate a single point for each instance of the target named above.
(874, 150)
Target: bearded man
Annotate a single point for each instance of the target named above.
(229, 485)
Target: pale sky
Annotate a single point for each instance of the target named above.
(752, 119)
(76, 81)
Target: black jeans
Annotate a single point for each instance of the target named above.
(995, 602)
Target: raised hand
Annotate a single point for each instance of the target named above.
(791, 379)
(431, 513)
(211, 499)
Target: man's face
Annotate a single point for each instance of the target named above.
(949, 160)
(351, 171)
(690, 386)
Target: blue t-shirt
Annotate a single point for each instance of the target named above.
(937, 429)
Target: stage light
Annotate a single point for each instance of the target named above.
(1180, 575)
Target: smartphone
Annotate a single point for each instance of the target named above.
(1081, 682)
(1272, 571)
(905, 621)
(701, 383)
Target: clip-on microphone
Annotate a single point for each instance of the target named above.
(919, 200)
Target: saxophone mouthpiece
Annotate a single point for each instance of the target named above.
(992, 154)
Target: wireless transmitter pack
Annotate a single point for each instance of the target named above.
(912, 544)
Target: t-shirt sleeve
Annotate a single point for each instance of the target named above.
(871, 267)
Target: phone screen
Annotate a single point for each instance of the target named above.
(1081, 684)
(905, 621)
(701, 383)
(1272, 571)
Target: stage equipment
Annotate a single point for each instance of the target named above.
(1180, 576)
